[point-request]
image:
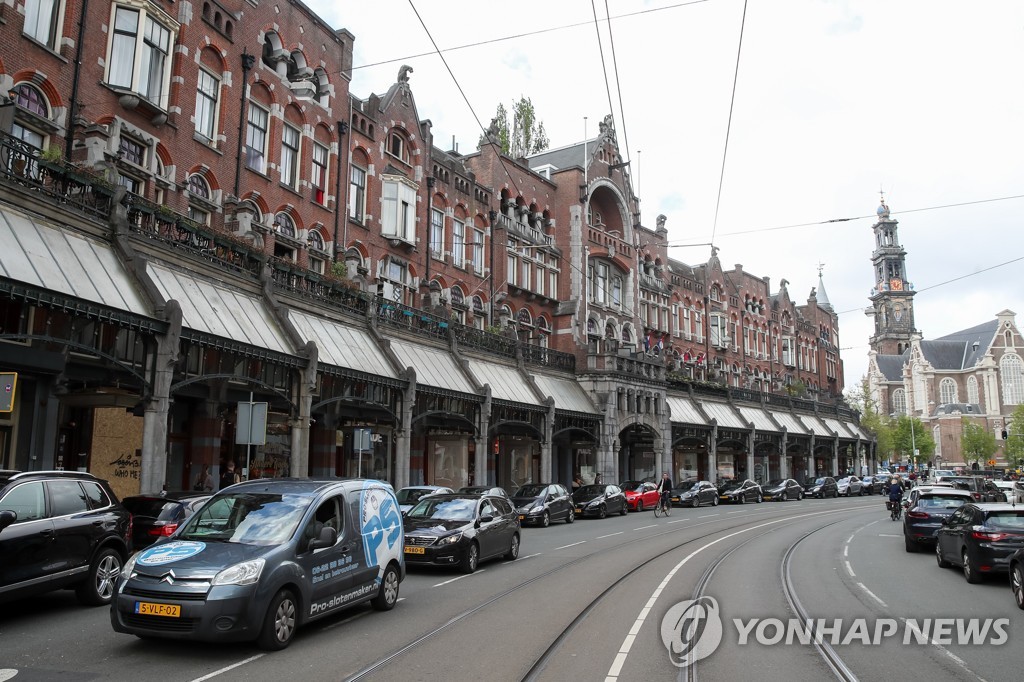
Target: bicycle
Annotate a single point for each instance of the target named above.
(663, 508)
(896, 510)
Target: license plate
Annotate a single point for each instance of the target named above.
(724, 497)
(146, 608)
(415, 550)
(522, 516)
(578, 511)
(675, 499)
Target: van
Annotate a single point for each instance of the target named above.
(263, 558)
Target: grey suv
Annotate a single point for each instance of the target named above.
(61, 529)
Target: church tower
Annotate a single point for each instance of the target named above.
(892, 297)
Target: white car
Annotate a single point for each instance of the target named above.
(850, 485)
(1006, 487)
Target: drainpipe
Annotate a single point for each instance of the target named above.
(248, 61)
(430, 226)
(493, 215)
(69, 135)
(338, 205)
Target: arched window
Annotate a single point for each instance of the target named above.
(947, 391)
(284, 224)
(315, 240)
(458, 298)
(524, 317)
(972, 390)
(30, 99)
(1011, 374)
(899, 401)
(198, 187)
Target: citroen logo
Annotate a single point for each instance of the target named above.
(168, 578)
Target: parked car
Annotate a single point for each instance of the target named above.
(640, 495)
(1004, 487)
(1016, 568)
(541, 503)
(61, 529)
(599, 500)
(461, 529)
(782, 489)
(485, 490)
(263, 558)
(740, 491)
(410, 495)
(939, 475)
(694, 494)
(849, 485)
(158, 516)
(980, 537)
(982, 489)
(875, 485)
(822, 487)
(927, 508)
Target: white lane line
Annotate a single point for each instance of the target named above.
(849, 569)
(846, 551)
(653, 525)
(677, 521)
(459, 578)
(956, 659)
(601, 537)
(735, 512)
(530, 556)
(873, 595)
(572, 545)
(707, 516)
(888, 535)
(230, 667)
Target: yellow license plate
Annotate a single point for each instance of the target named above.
(675, 499)
(146, 608)
(415, 550)
(578, 510)
(522, 516)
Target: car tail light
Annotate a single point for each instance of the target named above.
(977, 496)
(918, 515)
(989, 537)
(163, 531)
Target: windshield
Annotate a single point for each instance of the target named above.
(445, 509)
(632, 485)
(531, 491)
(413, 495)
(776, 482)
(247, 518)
(942, 501)
(589, 491)
(686, 485)
(732, 485)
(1011, 519)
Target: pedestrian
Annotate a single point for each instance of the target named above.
(597, 479)
(204, 481)
(229, 476)
(576, 482)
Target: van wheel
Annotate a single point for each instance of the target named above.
(98, 587)
(472, 558)
(387, 597)
(280, 622)
(513, 548)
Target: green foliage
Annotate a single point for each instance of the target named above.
(797, 389)
(977, 443)
(1014, 446)
(525, 134)
(339, 270)
(52, 153)
(871, 420)
(909, 433)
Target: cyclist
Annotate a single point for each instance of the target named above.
(664, 488)
(895, 495)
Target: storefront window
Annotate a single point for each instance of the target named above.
(449, 465)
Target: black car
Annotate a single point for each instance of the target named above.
(980, 537)
(875, 485)
(927, 509)
(485, 490)
(158, 516)
(461, 529)
(694, 494)
(740, 491)
(599, 500)
(61, 529)
(1017, 577)
(782, 489)
(821, 487)
(980, 488)
(541, 503)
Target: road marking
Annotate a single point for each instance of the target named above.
(230, 667)
(601, 537)
(572, 545)
(653, 525)
(459, 578)
(530, 556)
(956, 659)
(846, 551)
(735, 512)
(707, 516)
(873, 595)
(887, 535)
(849, 569)
(677, 521)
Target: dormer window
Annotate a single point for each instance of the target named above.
(397, 146)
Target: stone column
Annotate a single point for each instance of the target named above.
(299, 460)
(403, 436)
(547, 471)
(153, 467)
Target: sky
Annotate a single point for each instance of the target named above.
(835, 102)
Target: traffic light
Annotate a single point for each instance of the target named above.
(1004, 434)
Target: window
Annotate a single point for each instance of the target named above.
(972, 390)
(207, 92)
(617, 291)
(1011, 374)
(284, 224)
(478, 251)
(199, 189)
(140, 59)
(315, 240)
(512, 270)
(42, 18)
(398, 217)
(290, 155)
(719, 337)
(458, 243)
(131, 183)
(599, 283)
(256, 138)
(947, 391)
(436, 233)
(397, 147)
(318, 175)
(357, 194)
(132, 150)
(31, 100)
(899, 401)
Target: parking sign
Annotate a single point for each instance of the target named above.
(8, 387)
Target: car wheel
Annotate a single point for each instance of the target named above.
(714, 501)
(280, 622)
(513, 548)
(98, 587)
(909, 545)
(695, 503)
(602, 512)
(970, 572)
(571, 516)
(622, 512)
(799, 496)
(1017, 585)
(639, 505)
(545, 520)
(472, 558)
(785, 496)
(760, 499)
(387, 597)
(939, 558)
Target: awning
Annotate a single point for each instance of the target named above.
(506, 381)
(342, 345)
(215, 309)
(790, 423)
(762, 422)
(817, 426)
(725, 415)
(839, 427)
(684, 411)
(67, 262)
(433, 367)
(568, 394)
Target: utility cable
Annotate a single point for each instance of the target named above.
(600, 47)
(728, 126)
(618, 83)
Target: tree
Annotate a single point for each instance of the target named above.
(1014, 447)
(909, 433)
(525, 135)
(977, 444)
(871, 420)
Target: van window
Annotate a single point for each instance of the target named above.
(328, 515)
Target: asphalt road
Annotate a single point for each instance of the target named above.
(586, 602)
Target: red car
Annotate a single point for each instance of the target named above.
(640, 495)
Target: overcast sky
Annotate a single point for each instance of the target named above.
(835, 100)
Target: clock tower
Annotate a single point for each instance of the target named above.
(892, 296)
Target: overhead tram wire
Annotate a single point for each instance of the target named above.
(600, 47)
(618, 81)
(728, 127)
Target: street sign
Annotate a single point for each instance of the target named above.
(8, 388)
(251, 428)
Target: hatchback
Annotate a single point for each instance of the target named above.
(461, 529)
(158, 516)
(694, 494)
(980, 537)
(783, 489)
(927, 509)
(823, 486)
(541, 503)
(599, 500)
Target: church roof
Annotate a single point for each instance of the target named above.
(891, 366)
(962, 349)
(822, 297)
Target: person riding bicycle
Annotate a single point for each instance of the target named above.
(895, 492)
(664, 488)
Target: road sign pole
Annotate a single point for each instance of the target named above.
(248, 443)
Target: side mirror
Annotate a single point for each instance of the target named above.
(328, 536)
(486, 518)
(7, 517)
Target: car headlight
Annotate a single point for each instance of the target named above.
(245, 573)
(537, 507)
(128, 569)
(450, 539)
(595, 502)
